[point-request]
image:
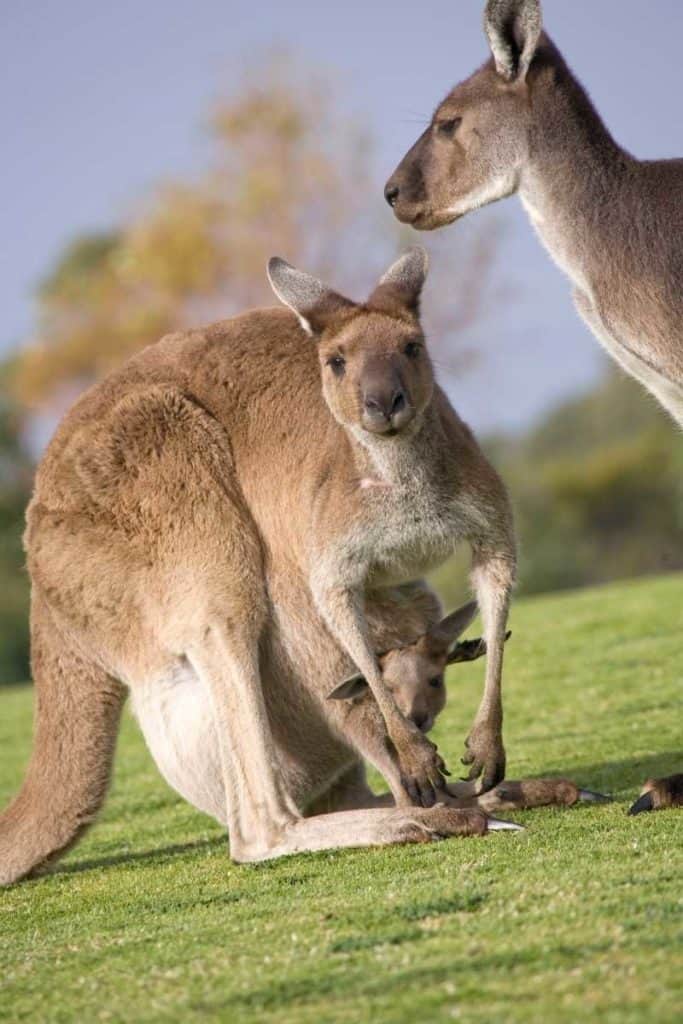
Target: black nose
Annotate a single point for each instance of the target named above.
(391, 194)
(420, 720)
(386, 405)
(398, 401)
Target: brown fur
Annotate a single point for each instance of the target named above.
(209, 502)
(522, 123)
(659, 794)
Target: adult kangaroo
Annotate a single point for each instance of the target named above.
(522, 123)
(237, 487)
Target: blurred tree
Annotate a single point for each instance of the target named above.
(291, 176)
(16, 473)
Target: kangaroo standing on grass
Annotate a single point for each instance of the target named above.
(184, 506)
(522, 123)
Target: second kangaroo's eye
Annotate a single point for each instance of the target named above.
(412, 349)
(436, 682)
(337, 364)
(450, 127)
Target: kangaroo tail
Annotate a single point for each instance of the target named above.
(77, 713)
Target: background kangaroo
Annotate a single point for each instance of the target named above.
(210, 498)
(522, 123)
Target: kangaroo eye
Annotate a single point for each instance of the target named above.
(449, 128)
(436, 682)
(337, 364)
(412, 349)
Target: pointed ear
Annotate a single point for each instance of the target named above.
(513, 28)
(403, 282)
(470, 650)
(441, 637)
(354, 686)
(313, 302)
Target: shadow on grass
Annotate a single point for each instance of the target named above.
(625, 774)
(159, 853)
(628, 773)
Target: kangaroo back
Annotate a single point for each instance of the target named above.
(77, 713)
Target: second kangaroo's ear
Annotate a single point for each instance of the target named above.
(513, 28)
(402, 284)
(441, 637)
(313, 302)
(354, 686)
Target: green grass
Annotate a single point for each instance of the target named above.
(576, 919)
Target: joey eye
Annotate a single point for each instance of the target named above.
(412, 349)
(448, 128)
(337, 364)
(436, 682)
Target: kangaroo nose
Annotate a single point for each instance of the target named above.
(391, 194)
(420, 719)
(398, 401)
(386, 405)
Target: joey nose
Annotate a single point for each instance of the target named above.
(391, 192)
(420, 719)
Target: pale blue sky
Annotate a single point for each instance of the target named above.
(99, 100)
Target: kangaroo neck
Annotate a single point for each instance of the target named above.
(400, 461)
(575, 173)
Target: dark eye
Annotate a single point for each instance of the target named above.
(412, 349)
(337, 365)
(448, 128)
(436, 682)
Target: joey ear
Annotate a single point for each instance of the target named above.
(469, 650)
(313, 302)
(513, 28)
(441, 637)
(354, 686)
(402, 284)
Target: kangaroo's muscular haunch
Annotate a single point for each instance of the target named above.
(522, 123)
(210, 501)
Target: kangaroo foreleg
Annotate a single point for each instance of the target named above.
(493, 578)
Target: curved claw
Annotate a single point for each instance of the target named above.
(590, 797)
(643, 803)
(500, 825)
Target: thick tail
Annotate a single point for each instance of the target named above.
(77, 713)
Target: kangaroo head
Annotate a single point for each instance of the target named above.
(377, 377)
(474, 149)
(415, 673)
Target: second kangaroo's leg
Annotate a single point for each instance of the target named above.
(259, 808)
(492, 578)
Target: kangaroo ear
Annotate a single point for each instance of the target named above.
(354, 686)
(513, 28)
(313, 302)
(469, 650)
(403, 282)
(441, 637)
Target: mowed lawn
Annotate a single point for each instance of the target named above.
(579, 918)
